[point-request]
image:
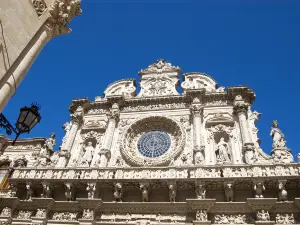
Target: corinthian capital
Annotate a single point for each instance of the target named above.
(76, 116)
(61, 14)
(114, 111)
(196, 109)
(239, 105)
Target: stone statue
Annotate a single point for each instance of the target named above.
(229, 192)
(47, 191)
(91, 189)
(50, 143)
(68, 192)
(29, 192)
(87, 154)
(263, 215)
(200, 191)
(259, 188)
(222, 153)
(118, 192)
(282, 195)
(144, 190)
(277, 135)
(172, 192)
(6, 212)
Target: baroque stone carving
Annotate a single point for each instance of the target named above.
(87, 155)
(197, 80)
(131, 136)
(88, 214)
(62, 12)
(29, 192)
(145, 191)
(229, 193)
(201, 215)
(124, 87)
(47, 190)
(160, 66)
(24, 215)
(41, 213)
(259, 188)
(283, 194)
(172, 192)
(222, 152)
(6, 212)
(118, 194)
(39, 6)
(263, 215)
(91, 189)
(200, 191)
(65, 216)
(230, 219)
(285, 218)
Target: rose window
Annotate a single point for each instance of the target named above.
(152, 141)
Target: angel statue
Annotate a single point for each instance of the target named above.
(222, 153)
(277, 135)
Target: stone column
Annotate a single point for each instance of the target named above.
(105, 150)
(240, 108)
(196, 110)
(66, 147)
(59, 17)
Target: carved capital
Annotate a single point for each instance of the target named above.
(196, 110)
(61, 13)
(240, 106)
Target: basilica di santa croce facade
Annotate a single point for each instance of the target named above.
(155, 157)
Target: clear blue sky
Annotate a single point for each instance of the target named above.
(254, 43)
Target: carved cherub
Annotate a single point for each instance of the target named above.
(263, 215)
(229, 192)
(259, 188)
(200, 191)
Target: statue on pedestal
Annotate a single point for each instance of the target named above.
(277, 135)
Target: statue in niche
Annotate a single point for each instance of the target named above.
(222, 153)
(87, 154)
(277, 135)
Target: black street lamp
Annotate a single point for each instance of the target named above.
(28, 118)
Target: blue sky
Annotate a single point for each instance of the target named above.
(254, 43)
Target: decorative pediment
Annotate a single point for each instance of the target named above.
(218, 118)
(160, 66)
(124, 88)
(197, 80)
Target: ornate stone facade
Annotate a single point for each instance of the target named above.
(155, 157)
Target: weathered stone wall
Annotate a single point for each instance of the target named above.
(19, 22)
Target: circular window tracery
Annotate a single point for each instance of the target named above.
(154, 144)
(152, 141)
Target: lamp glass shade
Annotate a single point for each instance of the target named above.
(28, 118)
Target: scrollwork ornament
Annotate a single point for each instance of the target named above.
(62, 12)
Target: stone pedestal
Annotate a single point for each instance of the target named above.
(261, 203)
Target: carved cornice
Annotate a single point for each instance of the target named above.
(61, 13)
(78, 102)
(247, 94)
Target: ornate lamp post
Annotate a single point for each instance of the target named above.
(28, 118)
